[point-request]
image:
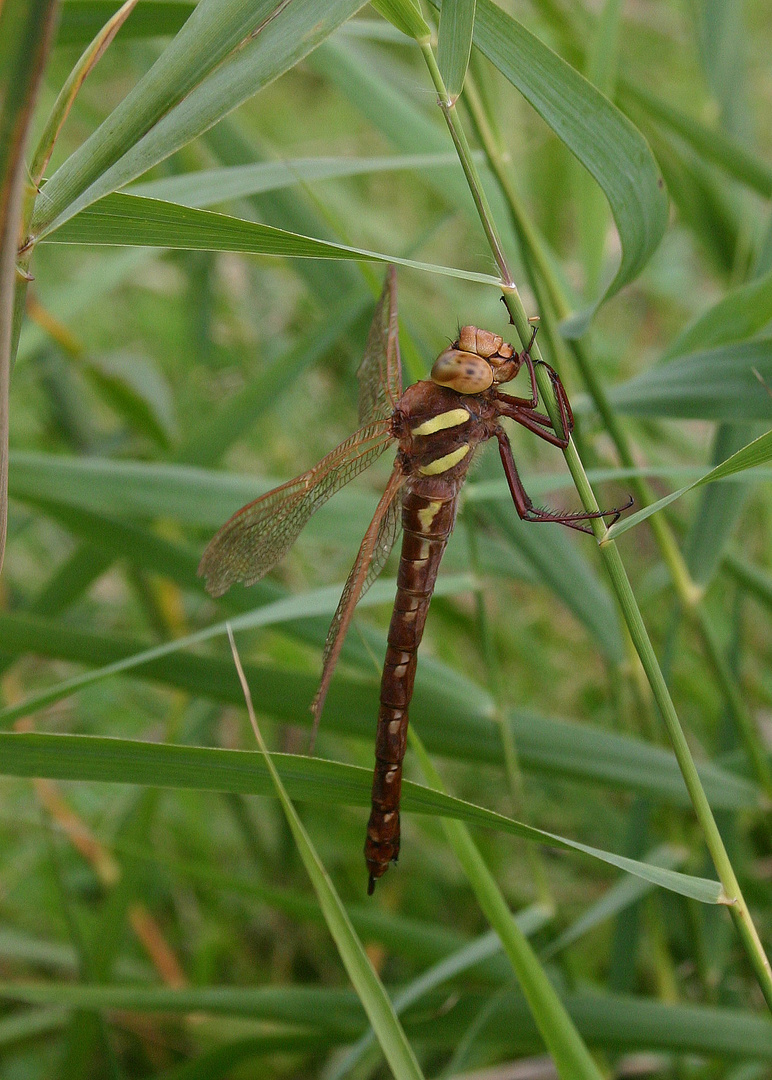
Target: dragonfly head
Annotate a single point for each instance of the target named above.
(475, 362)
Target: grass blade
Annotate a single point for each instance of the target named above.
(172, 105)
(755, 453)
(717, 384)
(570, 1055)
(330, 783)
(140, 222)
(454, 43)
(370, 990)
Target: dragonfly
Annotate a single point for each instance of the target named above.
(436, 425)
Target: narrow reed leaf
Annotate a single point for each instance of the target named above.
(569, 1053)
(755, 453)
(139, 222)
(710, 143)
(370, 990)
(329, 783)
(454, 43)
(719, 509)
(456, 714)
(470, 955)
(191, 86)
(210, 186)
(616, 899)
(71, 88)
(611, 149)
(738, 315)
(621, 1022)
(406, 16)
(717, 384)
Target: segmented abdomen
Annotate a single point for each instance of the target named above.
(427, 523)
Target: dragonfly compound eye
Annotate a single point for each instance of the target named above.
(462, 371)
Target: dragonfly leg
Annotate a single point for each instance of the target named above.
(525, 507)
(523, 411)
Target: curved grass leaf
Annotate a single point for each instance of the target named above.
(123, 761)
(720, 508)
(454, 43)
(456, 715)
(406, 16)
(370, 990)
(69, 91)
(623, 1022)
(568, 1051)
(600, 137)
(717, 384)
(711, 143)
(755, 453)
(210, 186)
(171, 105)
(740, 314)
(121, 219)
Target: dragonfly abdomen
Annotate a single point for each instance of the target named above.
(427, 523)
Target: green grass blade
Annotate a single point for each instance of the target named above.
(738, 315)
(471, 955)
(405, 15)
(710, 143)
(120, 219)
(172, 105)
(126, 761)
(370, 990)
(610, 1021)
(456, 715)
(570, 1055)
(210, 186)
(454, 43)
(755, 453)
(717, 384)
(720, 509)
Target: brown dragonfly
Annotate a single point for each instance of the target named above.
(437, 425)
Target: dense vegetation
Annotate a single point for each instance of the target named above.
(173, 363)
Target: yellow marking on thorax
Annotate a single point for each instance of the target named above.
(442, 464)
(444, 420)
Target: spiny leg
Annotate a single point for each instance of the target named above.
(525, 507)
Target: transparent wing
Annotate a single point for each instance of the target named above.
(261, 533)
(380, 373)
(373, 553)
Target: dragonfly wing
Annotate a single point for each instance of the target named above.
(373, 553)
(261, 533)
(380, 373)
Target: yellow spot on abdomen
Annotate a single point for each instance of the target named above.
(442, 464)
(427, 515)
(449, 419)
